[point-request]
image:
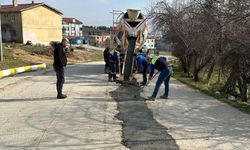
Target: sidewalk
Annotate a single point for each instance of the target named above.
(32, 118)
(19, 78)
(197, 121)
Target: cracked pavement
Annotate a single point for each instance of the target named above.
(198, 121)
(94, 118)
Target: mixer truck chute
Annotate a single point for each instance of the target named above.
(132, 25)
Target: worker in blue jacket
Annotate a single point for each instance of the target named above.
(160, 64)
(142, 64)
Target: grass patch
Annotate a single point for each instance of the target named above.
(210, 90)
(96, 56)
(166, 53)
(9, 60)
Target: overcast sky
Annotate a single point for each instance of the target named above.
(91, 12)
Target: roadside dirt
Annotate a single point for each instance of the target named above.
(31, 57)
(78, 56)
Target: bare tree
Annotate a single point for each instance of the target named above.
(209, 34)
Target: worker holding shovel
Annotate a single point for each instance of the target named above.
(142, 64)
(161, 64)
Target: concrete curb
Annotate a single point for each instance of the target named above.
(13, 71)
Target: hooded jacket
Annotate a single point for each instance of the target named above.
(160, 64)
(60, 59)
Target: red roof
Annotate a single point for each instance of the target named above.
(23, 7)
(71, 37)
(72, 20)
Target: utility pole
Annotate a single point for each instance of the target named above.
(116, 16)
(1, 47)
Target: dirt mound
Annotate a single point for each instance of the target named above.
(33, 58)
(46, 56)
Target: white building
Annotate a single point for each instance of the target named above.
(72, 27)
(149, 43)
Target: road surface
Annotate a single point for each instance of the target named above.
(103, 115)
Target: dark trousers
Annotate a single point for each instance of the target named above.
(144, 73)
(106, 66)
(117, 67)
(60, 79)
(112, 71)
(163, 77)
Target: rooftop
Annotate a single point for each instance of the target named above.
(23, 7)
(72, 20)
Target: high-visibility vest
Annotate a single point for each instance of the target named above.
(118, 53)
(154, 59)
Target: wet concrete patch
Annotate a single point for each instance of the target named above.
(140, 129)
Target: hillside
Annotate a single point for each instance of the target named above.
(17, 55)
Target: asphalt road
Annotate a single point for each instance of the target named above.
(103, 115)
(32, 117)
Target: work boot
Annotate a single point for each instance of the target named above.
(142, 83)
(164, 97)
(61, 96)
(150, 98)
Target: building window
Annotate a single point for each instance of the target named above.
(65, 25)
(13, 18)
(6, 15)
(152, 40)
(73, 28)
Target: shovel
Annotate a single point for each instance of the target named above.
(142, 87)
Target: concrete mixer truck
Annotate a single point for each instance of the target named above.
(130, 36)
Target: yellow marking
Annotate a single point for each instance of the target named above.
(27, 68)
(1, 74)
(13, 71)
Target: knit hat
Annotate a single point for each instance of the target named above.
(65, 40)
